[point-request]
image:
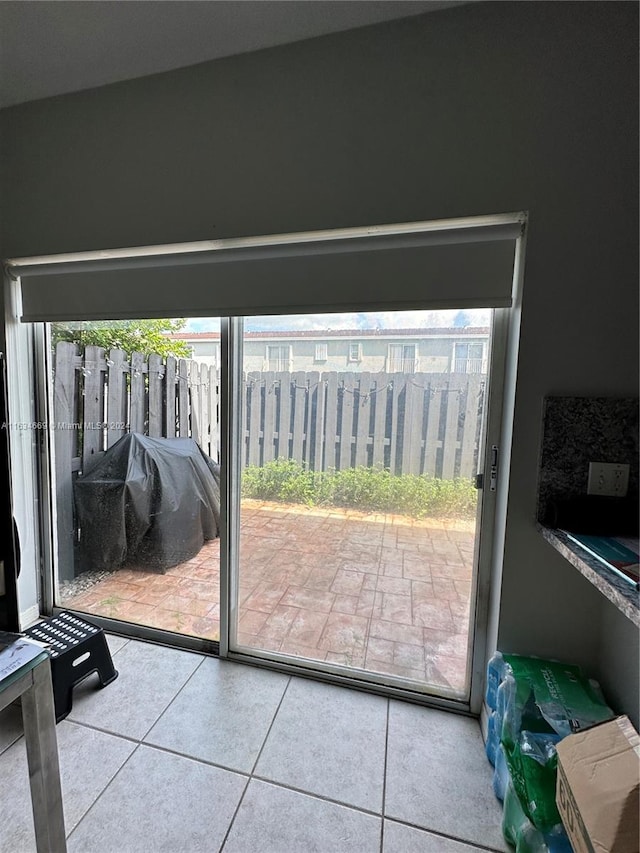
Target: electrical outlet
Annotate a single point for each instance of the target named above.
(608, 478)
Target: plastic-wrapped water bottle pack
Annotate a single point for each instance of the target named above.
(534, 703)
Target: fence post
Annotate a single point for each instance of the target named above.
(155, 396)
(269, 425)
(331, 420)
(205, 427)
(284, 418)
(363, 418)
(214, 431)
(471, 416)
(137, 393)
(64, 399)
(116, 396)
(93, 414)
(254, 393)
(433, 425)
(312, 427)
(397, 387)
(346, 420)
(320, 398)
(381, 391)
(183, 398)
(412, 427)
(451, 428)
(193, 383)
(169, 427)
(300, 390)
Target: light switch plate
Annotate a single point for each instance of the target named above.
(608, 479)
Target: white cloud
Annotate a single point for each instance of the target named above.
(203, 324)
(362, 320)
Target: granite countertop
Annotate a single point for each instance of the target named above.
(621, 593)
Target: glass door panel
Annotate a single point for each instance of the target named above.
(358, 511)
(134, 429)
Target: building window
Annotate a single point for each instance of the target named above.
(321, 352)
(402, 358)
(355, 352)
(279, 358)
(469, 358)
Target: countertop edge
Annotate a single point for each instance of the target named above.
(615, 589)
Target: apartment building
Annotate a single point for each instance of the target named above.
(438, 350)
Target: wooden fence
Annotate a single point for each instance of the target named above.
(420, 423)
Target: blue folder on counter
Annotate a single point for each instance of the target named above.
(618, 553)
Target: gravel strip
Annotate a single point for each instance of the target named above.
(83, 583)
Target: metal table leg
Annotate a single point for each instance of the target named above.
(42, 755)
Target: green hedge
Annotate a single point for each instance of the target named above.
(370, 489)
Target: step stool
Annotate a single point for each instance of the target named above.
(77, 649)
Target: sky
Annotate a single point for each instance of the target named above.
(370, 320)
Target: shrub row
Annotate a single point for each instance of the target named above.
(371, 489)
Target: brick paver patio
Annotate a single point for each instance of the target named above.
(381, 592)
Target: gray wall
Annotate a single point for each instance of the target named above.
(483, 108)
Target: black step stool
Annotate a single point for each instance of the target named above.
(77, 649)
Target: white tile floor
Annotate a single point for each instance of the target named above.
(186, 753)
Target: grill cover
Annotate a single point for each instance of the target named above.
(149, 503)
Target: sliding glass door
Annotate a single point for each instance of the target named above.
(355, 535)
(358, 508)
(135, 433)
(349, 512)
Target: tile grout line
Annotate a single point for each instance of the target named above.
(20, 735)
(418, 827)
(233, 816)
(113, 778)
(266, 737)
(102, 731)
(251, 776)
(68, 718)
(165, 749)
(252, 773)
(138, 742)
(315, 796)
(473, 844)
(164, 711)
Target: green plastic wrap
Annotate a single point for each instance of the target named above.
(548, 696)
(543, 702)
(533, 765)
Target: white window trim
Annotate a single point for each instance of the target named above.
(286, 360)
(397, 365)
(24, 444)
(350, 357)
(321, 352)
(482, 359)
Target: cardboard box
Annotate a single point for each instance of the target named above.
(598, 788)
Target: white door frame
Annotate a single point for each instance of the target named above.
(491, 514)
(498, 426)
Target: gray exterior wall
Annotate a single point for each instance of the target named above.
(435, 355)
(477, 109)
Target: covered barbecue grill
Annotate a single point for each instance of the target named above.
(148, 502)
